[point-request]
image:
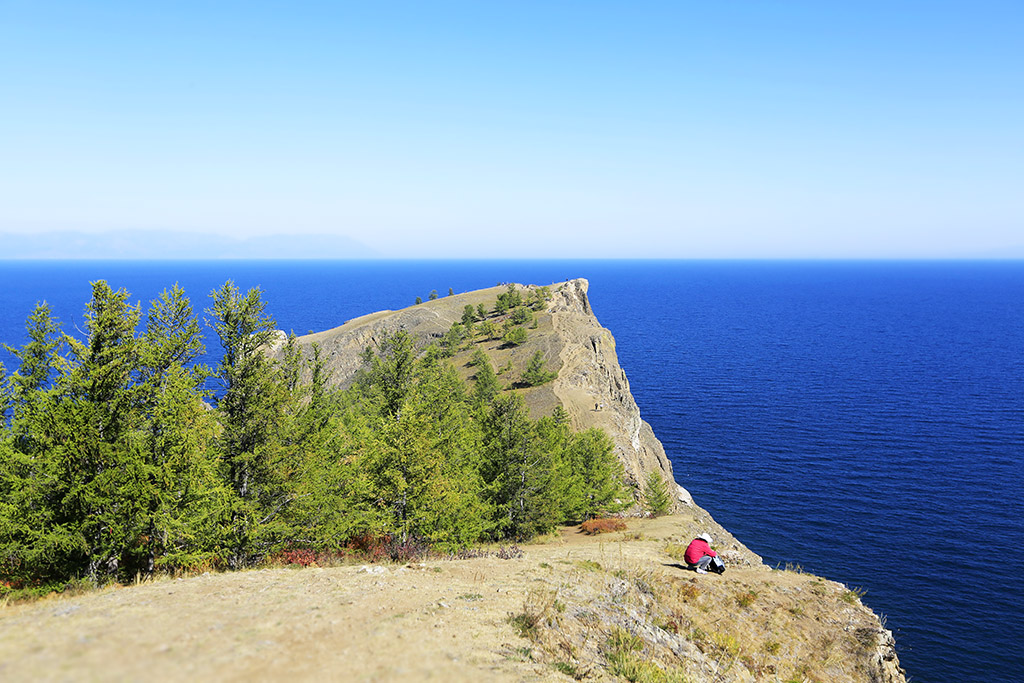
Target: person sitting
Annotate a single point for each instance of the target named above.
(699, 556)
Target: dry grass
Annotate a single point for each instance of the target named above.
(602, 525)
(582, 607)
(654, 624)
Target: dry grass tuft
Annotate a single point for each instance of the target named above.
(688, 626)
(602, 525)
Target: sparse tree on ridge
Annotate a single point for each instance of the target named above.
(514, 336)
(535, 374)
(487, 329)
(486, 385)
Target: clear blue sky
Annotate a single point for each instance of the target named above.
(478, 128)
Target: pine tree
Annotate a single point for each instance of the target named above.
(38, 362)
(592, 455)
(656, 496)
(521, 315)
(452, 340)
(519, 474)
(535, 374)
(486, 385)
(387, 375)
(420, 459)
(487, 329)
(251, 409)
(514, 336)
(177, 439)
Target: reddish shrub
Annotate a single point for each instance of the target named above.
(372, 547)
(603, 526)
(412, 548)
(302, 557)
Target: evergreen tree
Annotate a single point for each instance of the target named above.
(109, 492)
(176, 440)
(468, 316)
(487, 329)
(535, 374)
(318, 412)
(115, 478)
(486, 385)
(387, 376)
(332, 492)
(514, 336)
(37, 359)
(433, 294)
(519, 474)
(77, 491)
(508, 299)
(539, 298)
(250, 409)
(420, 460)
(452, 340)
(656, 496)
(567, 491)
(38, 362)
(481, 312)
(592, 456)
(191, 499)
(521, 315)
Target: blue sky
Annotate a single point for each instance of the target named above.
(489, 129)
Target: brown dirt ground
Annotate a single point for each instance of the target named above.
(444, 620)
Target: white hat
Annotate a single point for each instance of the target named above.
(706, 538)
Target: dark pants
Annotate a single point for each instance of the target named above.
(708, 563)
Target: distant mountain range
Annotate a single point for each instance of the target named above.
(127, 244)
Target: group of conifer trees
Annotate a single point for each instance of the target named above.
(120, 455)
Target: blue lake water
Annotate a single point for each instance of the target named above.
(862, 419)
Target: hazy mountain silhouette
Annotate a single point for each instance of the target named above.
(127, 244)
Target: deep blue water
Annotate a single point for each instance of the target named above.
(863, 420)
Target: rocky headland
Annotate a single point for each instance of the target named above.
(616, 606)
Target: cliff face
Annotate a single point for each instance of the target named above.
(590, 384)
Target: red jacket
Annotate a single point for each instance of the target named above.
(697, 549)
